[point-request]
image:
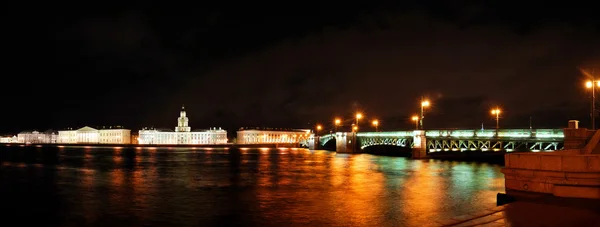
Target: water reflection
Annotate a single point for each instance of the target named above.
(251, 187)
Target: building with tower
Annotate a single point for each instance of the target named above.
(183, 134)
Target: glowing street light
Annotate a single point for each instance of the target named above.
(337, 123)
(424, 104)
(319, 127)
(355, 128)
(415, 118)
(376, 124)
(358, 117)
(590, 84)
(497, 113)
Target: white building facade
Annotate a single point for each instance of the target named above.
(271, 136)
(9, 139)
(89, 135)
(183, 134)
(36, 137)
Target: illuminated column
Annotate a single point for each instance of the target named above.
(419, 149)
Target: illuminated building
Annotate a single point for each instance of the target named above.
(9, 139)
(89, 135)
(48, 136)
(115, 136)
(183, 134)
(271, 136)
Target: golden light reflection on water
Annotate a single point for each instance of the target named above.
(421, 195)
(272, 187)
(363, 194)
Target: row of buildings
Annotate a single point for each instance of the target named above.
(183, 134)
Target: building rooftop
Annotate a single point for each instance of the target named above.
(158, 129)
(208, 129)
(273, 129)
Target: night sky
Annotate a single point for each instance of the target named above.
(297, 64)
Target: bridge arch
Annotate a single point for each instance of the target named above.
(326, 138)
(366, 142)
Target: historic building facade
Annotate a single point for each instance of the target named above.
(89, 135)
(183, 134)
(9, 139)
(49, 136)
(271, 136)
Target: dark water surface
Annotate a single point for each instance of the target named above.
(92, 186)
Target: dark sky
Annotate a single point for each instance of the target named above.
(297, 64)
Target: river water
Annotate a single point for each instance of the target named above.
(93, 186)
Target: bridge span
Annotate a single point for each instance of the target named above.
(429, 141)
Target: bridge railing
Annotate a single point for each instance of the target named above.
(503, 133)
(518, 134)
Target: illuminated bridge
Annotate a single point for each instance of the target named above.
(448, 140)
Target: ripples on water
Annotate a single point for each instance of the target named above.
(251, 187)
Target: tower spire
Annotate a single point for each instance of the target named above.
(182, 121)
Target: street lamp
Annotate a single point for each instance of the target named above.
(319, 127)
(424, 103)
(497, 113)
(590, 84)
(358, 117)
(337, 123)
(376, 124)
(416, 120)
(355, 128)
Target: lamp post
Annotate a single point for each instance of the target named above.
(424, 103)
(337, 123)
(319, 127)
(592, 84)
(376, 124)
(497, 113)
(358, 117)
(416, 120)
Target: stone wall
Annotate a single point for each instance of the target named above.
(562, 174)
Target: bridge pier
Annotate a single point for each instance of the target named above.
(313, 142)
(346, 142)
(419, 149)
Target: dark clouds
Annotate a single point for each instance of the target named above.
(297, 66)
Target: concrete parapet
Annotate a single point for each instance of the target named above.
(577, 138)
(553, 161)
(557, 173)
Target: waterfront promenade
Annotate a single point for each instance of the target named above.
(531, 214)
